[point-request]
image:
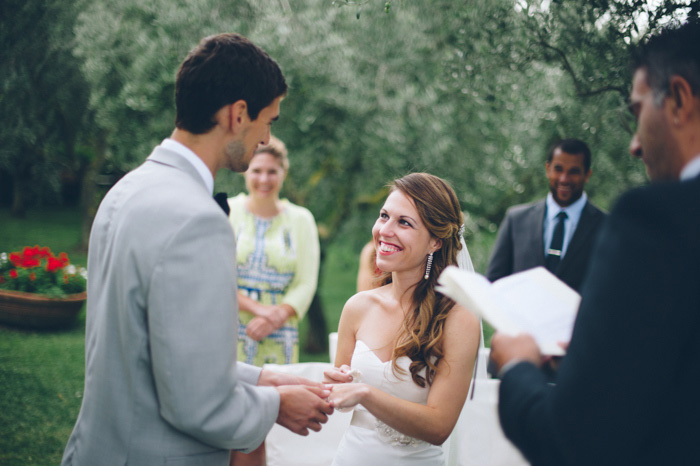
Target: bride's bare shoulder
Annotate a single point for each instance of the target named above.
(364, 300)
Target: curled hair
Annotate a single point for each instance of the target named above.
(221, 70)
(277, 149)
(422, 333)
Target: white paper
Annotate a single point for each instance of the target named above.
(533, 301)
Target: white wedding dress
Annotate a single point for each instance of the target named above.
(369, 441)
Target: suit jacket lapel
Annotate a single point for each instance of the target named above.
(583, 230)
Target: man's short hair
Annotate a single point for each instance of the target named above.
(219, 71)
(572, 146)
(674, 51)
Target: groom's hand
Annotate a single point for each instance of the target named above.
(303, 408)
(276, 379)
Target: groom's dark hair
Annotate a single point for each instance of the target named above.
(219, 71)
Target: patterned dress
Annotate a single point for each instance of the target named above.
(277, 260)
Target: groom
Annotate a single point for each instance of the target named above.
(162, 383)
(627, 391)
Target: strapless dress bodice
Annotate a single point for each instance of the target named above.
(380, 374)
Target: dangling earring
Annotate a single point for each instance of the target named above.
(428, 265)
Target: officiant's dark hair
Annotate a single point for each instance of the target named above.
(221, 70)
(673, 51)
(439, 210)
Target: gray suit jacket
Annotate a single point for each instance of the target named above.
(162, 382)
(520, 244)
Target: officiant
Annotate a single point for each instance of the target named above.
(627, 391)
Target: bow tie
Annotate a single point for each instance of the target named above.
(222, 200)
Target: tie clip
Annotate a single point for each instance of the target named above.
(554, 252)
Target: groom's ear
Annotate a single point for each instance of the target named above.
(238, 117)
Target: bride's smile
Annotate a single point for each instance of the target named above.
(401, 239)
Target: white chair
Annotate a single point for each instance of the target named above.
(332, 346)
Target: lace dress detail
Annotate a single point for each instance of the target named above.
(393, 437)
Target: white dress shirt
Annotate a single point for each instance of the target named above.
(691, 169)
(573, 213)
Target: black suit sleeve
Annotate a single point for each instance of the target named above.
(623, 382)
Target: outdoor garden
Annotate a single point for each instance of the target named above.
(472, 91)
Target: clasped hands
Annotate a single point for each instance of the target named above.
(268, 319)
(305, 405)
(344, 393)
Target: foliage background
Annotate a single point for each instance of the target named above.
(473, 91)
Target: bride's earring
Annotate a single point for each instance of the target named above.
(428, 265)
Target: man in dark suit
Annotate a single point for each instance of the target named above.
(527, 228)
(627, 392)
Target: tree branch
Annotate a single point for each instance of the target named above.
(580, 91)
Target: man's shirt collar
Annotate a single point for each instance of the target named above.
(573, 211)
(184, 151)
(691, 169)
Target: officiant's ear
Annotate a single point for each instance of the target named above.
(682, 96)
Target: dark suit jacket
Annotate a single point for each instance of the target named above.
(628, 390)
(520, 245)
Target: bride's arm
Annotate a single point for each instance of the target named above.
(347, 328)
(434, 421)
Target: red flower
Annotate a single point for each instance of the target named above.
(32, 277)
(15, 258)
(13, 273)
(63, 257)
(2, 279)
(29, 262)
(31, 252)
(53, 264)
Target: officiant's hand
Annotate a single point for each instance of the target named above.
(505, 348)
(303, 408)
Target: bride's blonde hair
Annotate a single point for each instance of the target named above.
(421, 337)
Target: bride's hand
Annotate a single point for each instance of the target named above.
(338, 375)
(348, 395)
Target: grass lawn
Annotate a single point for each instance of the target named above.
(42, 372)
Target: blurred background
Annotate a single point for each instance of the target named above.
(473, 91)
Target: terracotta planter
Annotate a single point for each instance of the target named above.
(37, 311)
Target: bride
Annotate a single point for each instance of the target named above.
(406, 353)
